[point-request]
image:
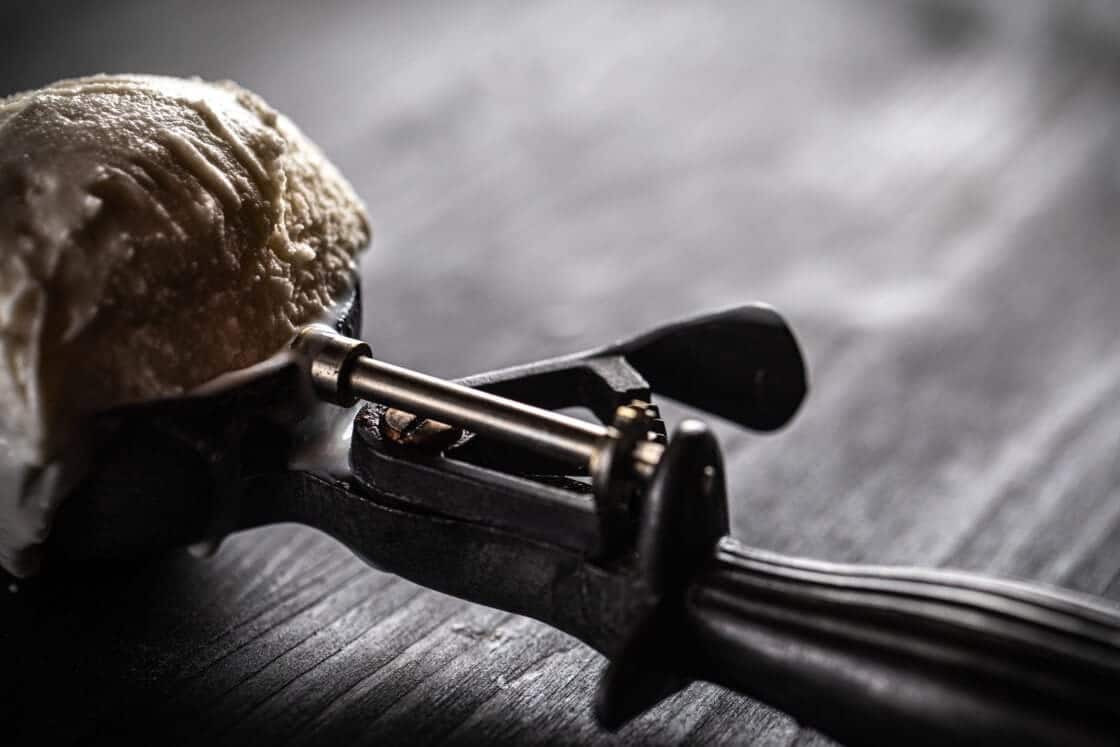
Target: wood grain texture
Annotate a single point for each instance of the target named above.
(928, 190)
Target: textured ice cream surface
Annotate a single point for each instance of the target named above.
(155, 233)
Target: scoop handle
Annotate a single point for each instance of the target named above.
(868, 654)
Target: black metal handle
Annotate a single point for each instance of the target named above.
(875, 655)
(743, 364)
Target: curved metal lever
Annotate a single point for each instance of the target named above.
(743, 364)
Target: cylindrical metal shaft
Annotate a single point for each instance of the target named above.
(544, 431)
(342, 369)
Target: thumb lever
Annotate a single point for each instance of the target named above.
(743, 364)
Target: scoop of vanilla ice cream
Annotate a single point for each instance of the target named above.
(155, 233)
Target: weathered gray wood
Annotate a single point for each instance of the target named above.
(930, 194)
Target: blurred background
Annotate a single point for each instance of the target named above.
(930, 191)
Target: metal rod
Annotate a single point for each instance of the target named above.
(343, 369)
(543, 431)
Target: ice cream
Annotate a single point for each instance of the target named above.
(155, 234)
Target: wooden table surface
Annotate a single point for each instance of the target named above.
(931, 192)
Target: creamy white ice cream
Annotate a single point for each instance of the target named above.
(155, 233)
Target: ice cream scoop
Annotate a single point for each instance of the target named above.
(156, 234)
(615, 533)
